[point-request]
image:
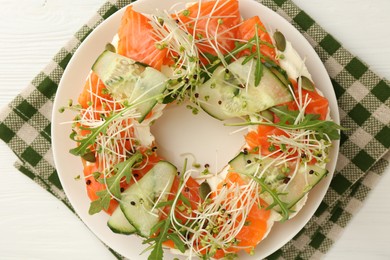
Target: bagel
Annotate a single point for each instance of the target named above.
(209, 59)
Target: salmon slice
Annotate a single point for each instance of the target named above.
(247, 30)
(93, 91)
(93, 186)
(256, 222)
(137, 40)
(214, 25)
(318, 105)
(259, 139)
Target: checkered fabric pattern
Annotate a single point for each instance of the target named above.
(363, 100)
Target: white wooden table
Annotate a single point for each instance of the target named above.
(34, 225)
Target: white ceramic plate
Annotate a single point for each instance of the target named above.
(206, 138)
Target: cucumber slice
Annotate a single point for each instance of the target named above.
(232, 93)
(304, 181)
(138, 200)
(216, 90)
(118, 73)
(270, 92)
(130, 81)
(274, 176)
(118, 223)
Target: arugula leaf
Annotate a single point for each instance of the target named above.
(309, 122)
(259, 65)
(285, 211)
(122, 170)
(158, 251)
(177, 241)
(321, 127)
(185, 200)
(85, 143)
(95, 207)
(248, 58)
(103, 202)
(239, 47)
(155, 229)
(164, 204)
(165, 229)
(285, 115)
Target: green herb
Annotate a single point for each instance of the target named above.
(177, 241)
(163, 228)
(122, 170)
(216, 62)
(239, 47)
(158, 251)
(103, 202)
(96, 175)
(285, 115)
(164, 204)
(309, 122)
(259, 65)
(283, 206)
(185, 200)
(87, 141)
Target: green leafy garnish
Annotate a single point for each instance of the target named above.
(122, 170)
(158, 251)
(285, 115)
(259, 65)
(177, 241)
(103, 202)
(283, 206)
(309, 122)
(163, 229)
(86, 142)
(239, 47)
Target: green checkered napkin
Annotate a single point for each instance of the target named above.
(363, 100)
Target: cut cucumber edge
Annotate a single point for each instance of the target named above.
(127, 79)
(138, 200)
(119, 224)
(222, 98)
(240, 164)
